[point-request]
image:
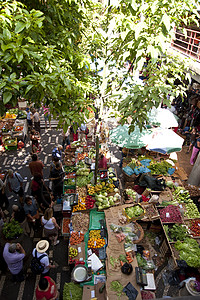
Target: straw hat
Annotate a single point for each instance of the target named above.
(42, 246)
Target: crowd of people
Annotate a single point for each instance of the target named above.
(35, 210)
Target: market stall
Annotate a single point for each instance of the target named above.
(13, 129)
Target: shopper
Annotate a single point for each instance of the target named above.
(66, 136)
(15, 184)
(18, 214)
(195, 151)
(32, 213)
(36, 166)
(36, 118)
(4, 203)
(102, 162)
(47, 116)
(46, 289)
(28, 117)
(56, 176)
(14, 255)
(50, 226)
(57, 152)
(40, 249)
(193, 137)
(35, 138)
(41, 192)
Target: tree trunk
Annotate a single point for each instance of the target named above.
(96, 160)
(194, 178)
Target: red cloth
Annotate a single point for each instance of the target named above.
(50, 293)
(103, 163)
(35, 186)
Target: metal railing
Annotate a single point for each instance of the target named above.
(188, 44)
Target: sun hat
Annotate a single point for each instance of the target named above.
(42, 246)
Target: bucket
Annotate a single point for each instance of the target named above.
(187, 289)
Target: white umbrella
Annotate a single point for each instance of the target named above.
(162, 117)
(164, 141)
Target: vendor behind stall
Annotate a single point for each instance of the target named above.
(102, 162)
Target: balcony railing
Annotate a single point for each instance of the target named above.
(189, 44)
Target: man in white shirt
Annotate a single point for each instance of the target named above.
(41, 248)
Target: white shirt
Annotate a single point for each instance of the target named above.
(48, 224)
(44, 261)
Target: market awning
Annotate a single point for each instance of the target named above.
(162, 117)
(134, 140)
(164, 141)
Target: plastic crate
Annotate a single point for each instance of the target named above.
(68, 228)
(10, 148)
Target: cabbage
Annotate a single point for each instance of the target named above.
(189, 252)
(170, 184)
(134, 211)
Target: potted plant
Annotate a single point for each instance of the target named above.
(12, 230)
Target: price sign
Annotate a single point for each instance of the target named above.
(95, 243)
(79, 249)
(167, 215)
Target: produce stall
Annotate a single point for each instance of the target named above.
(13, 129)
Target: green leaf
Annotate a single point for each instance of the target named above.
(6, 33)
(6, 97)
(13, 76)
(29, 87)
(19, 27)
(19, 56)
(166, 20)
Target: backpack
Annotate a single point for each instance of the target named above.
(36, 266)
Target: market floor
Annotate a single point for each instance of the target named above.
(18, 161)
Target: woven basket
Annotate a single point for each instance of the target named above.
(139, 231)
(129, 178)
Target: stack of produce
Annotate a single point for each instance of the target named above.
(73, 252)
(181, 195)
(83, 175)
(81, 205)
(191, 211)
(76, 238)
(131, 194)
(176, 232)
(80, 222)
(104, 201)
(103, 187)
(89, 202)
(95, 240)
(170, 214)
(65, 226)
(189, 251)
(194, 227)
(134, 212)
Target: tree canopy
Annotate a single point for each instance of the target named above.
(47, 47)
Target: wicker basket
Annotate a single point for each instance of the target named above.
(139, 231)
(129, 178)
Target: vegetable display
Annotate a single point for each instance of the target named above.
(181, 195)
(117, 287)
(134, 211)
(191, 211)
(131, 193)
(84, 180)
(73, 252)
(159, 167)
(141, 261)
(104, 201)
(76, 238)
(72, 291)
(80, 222)
(189, 251)
(89, 202)
(66, 225)
(170, 214)
(195, 227)
(176, 232)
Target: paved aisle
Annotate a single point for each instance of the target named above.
(19, 161)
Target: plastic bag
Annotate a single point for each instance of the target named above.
(128, 170)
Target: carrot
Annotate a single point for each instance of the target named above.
(121, 262)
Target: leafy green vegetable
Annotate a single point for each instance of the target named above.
(141, 261)
(170, 184)
(134, 211)
(176, 233)
(72, 291)
(117, 287)
(189, 251)
(159, 167)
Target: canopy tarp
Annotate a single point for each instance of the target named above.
(162, 117)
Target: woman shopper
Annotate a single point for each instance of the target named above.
(50, 226)
(195, 151)
(36, 118)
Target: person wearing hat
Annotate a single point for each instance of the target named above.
(15, 184)
(13, 255)
(57, 152)
(40, 249)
